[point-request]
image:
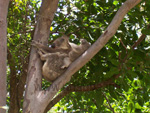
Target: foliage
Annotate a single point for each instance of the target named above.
(88, 19)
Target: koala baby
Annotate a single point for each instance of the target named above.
(53, 58)
(59, 56)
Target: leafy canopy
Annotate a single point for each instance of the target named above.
(120, 57)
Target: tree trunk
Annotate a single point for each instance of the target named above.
(33, 101)
(36, 99)
(3, 51)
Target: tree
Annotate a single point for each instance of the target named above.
(107, 75)
(3, 51)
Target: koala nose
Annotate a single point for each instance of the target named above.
(53, 45)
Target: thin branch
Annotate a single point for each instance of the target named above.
(142, 37)
(56, 99)
(123, 44)
(110, 107)
(72, 88)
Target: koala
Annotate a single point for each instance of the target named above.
(53, 58)
(74, 50)
(52, 65)
(52, 49)
(59, 56)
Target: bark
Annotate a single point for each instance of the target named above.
(13, 105)
(32, 100)
(16, 84)
(36, 100)
(3, 51)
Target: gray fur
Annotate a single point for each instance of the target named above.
(58, 57)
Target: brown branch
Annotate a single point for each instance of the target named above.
(94, 101)
(120, 52)
(142, 37)
(91, 87)
(56, 99)
(14, 107)
(22, 81)
(72, 88)
(123, 44)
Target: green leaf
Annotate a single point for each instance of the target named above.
(130, 107)
(115, 2)
(131, 75)
(114, 62)
(140, 101)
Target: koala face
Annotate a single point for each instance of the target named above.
(61, 43)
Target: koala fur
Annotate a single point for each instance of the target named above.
(75, 50)
(52, 65)
(59, 56)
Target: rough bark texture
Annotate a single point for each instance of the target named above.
(33, 101)
(13, 108)
(3, 51)
(36, 100)
(16, 84)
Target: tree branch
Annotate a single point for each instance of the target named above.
(142, 37)
(110, 107)
(72, 88)
(97, 46)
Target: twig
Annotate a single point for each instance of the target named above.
(142, 37)
(123, 44)
(110, 107)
